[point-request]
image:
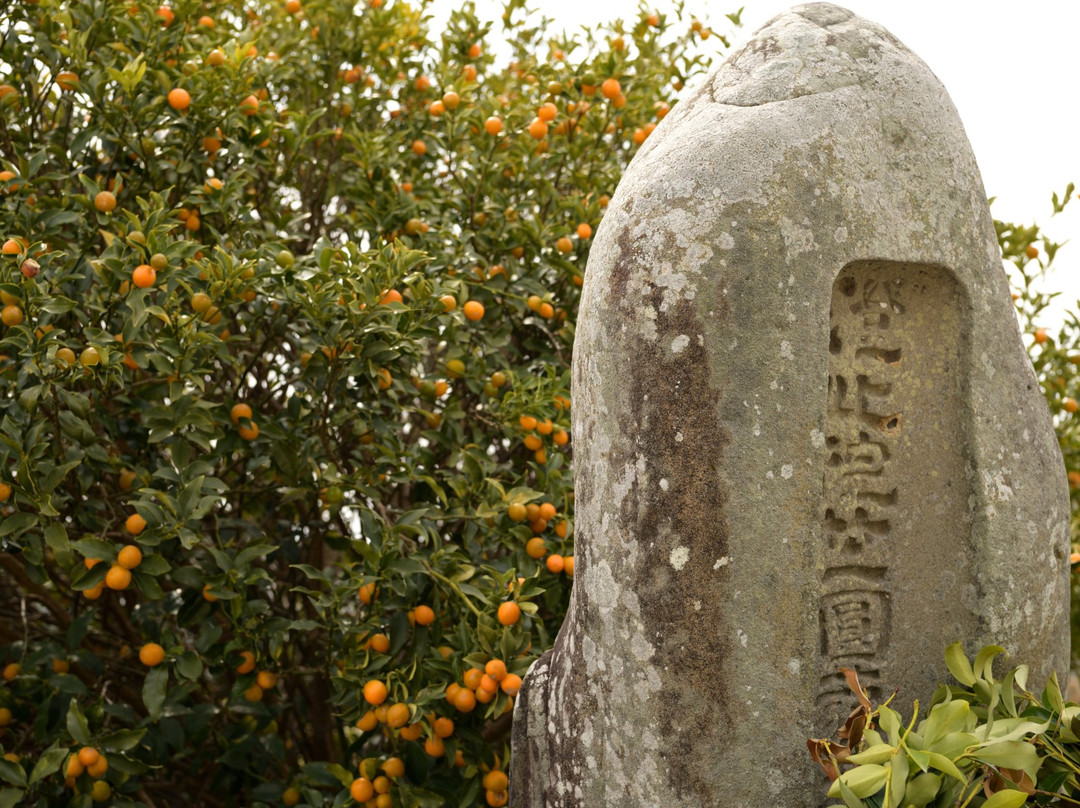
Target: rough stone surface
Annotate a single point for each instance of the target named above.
(806, 434)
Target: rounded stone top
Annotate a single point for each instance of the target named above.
(808, 50)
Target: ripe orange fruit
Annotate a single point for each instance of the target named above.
(474, 310)
(419, 148)
(496, 780)
(118, 578)
(292, 6)
(397, 716)
(564, 245)
(11, 315)
(568, 565)
(511, 684)
(98, 768)
(248, 665)
(496, 799)
(144, 276)
(555, 563)
(94, 592)
(1032, 251)
(290, 796)
(367, 593)
(435, 746)
(253, 694)
(367, 721)
(394, 767)
(248, 432)
(538, 129)
(249, 106)
(239, 411)
(535, 548)
(1041, 336)
(179, 99)
(452, 690)
(584, 231)
(532, 443)
(547, 112)
(130, 557)
(425, 615)
(1070, 405)
(493, 125)
(151, 655)
(362, 789)
(267, 680)
(561, 437)
(380, 643)
(88, 756)
(509, 613)
(443, 727)
(611, 88)
(451, 100)
(5, 492)
(375, 692)
(134, 524)
(391, 296)
(11, 247)
(473, 677)
(527, 422)
(436, 108)
(105, 201)
(11, 670)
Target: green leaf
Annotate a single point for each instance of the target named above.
(10, 797)
(341, 773)
(984, 661)
(1011, 755)
(76, 724)
(923, 789)
(123, 740)
(958, 664)
(154, 689)
(878, 753)
(1006, 799)
(189, 665)
(946, 766)
(48, 763)
(862, 780)
(12, 772)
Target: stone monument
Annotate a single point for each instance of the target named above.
(807, 435)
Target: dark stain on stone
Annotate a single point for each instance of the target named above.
(669, 395)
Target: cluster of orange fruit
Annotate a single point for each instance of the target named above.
(92, 762)
(118, 578)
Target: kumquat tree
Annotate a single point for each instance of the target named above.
(288, 299)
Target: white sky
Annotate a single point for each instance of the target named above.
(1010, 67)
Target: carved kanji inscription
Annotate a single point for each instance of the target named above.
(894, 484)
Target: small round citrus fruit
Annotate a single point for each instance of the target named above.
(130, 557)
(509, 613)
(151, 655)
(375, 692)
(179, 99)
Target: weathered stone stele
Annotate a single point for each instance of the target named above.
(806, 435)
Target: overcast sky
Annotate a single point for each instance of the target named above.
(1012, 70)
